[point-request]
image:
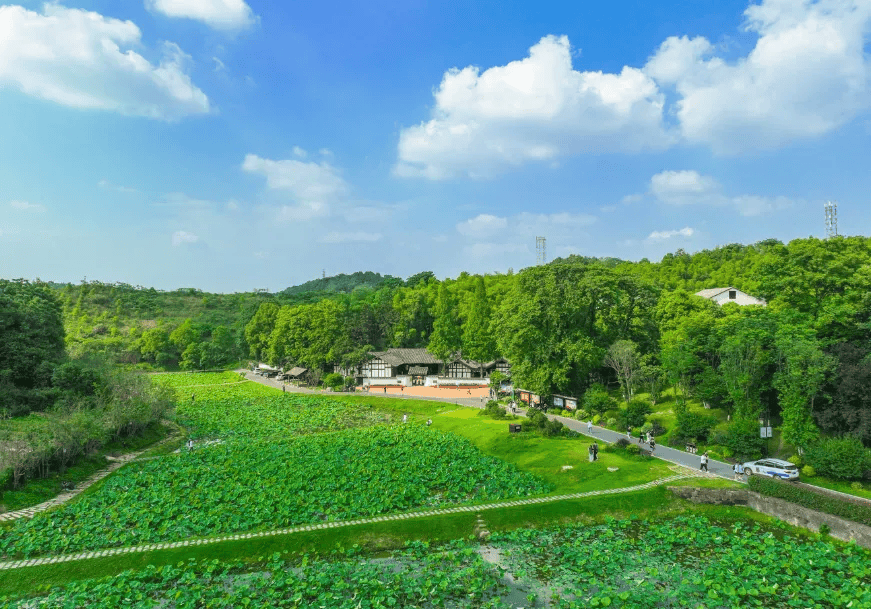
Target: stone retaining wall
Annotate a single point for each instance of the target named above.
(791, 513)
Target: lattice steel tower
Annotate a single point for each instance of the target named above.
(831, 219)
(540, 250)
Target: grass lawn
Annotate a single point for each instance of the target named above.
(840, 485)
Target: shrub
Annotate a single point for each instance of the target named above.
(622, 443)
(796, 460)
(693, 426)
(493, 409)
(612, 422)
(334, 380)
(842, 458)
(552, 428)
(633, 449)
(582, 415)
(596, 399)
(596, 419)
(856, 486)
(802, 495)
(743, 439)
(808, 471)
(634, 414)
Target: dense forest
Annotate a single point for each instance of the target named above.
(573, 326)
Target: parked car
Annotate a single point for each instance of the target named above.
(776, 468)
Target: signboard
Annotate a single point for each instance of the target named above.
(571, 404)
(765, 432)
(557, 402)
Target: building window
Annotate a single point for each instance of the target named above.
(458, 371)
(377, 368)
(732, 294)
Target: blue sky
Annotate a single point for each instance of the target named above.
(229, 146)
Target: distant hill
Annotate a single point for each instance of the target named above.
(341, 283)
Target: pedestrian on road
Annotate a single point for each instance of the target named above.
(595, 451)
(628, 433)
(649, 437)
(738, 468)
(704, 464)
(590, 426)
(640, 436)
(385, 390)
(652, 444)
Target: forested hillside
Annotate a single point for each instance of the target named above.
(567, 327)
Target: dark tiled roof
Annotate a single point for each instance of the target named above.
(296, 371)
(397, 357)
(418, 370)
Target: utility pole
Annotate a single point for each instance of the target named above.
(831, 209)
(540, 250)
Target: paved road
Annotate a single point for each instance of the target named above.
(718, 468)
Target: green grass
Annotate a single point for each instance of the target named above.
(34, 492)
(840, 485)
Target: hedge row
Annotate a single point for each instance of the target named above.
(810, 499)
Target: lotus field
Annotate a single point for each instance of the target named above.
(254, 485)
(225, 406)
(684, 562)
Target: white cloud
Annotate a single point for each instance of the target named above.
(314, 187)
(261, 255)
(180, 236)
(219, 65)
(231, 206)
(692, 188)
(25, 206)
(299, 152)
(668, 234)
(109, 186)
(807, 75)
(219, 14)
(483, 225)
(84, 60)
(535, 109)
(684, 187)
(338, 237)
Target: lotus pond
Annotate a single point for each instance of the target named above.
(223, 406)
(243, 485)
(687, 561)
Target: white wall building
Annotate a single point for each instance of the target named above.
(723, 295)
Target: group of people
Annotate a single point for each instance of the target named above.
(594, 451)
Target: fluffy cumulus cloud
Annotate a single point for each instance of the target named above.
(691, 188)
(807, 75)
(483, 225)
(538, 108)
(314, 187)
(664, 235)
(82, 59)
(219, 14)
(180, 237)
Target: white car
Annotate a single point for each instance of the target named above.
(775, 468)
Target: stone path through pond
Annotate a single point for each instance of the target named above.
(51, 560)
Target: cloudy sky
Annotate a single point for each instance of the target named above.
(232, 145)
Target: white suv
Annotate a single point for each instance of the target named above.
(775, 468)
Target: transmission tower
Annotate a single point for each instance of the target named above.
(831, 219)
(540, 250)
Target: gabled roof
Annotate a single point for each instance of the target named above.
(711, 292)
(295, 371)
(418, 370)
(397, 357)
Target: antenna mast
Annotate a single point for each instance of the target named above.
(831, 219)
(540, 250)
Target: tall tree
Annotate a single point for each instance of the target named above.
(478, 343)
(445, 342)
(622, 357)
(259, 329)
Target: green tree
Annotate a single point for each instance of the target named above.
(185, 335)
(622, 357)
(445, 341)
(478, 343)
(259, 329)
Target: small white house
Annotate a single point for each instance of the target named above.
(723, 295)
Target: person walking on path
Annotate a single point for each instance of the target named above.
(640, 437)
(628, 433)
(704, 464)
(652, 444)
(590, 426)
(738, 468)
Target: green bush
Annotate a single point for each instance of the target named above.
(552, 428)
(808, 471)
(796, 460)
(742, 438)
(622, 443)
(493, 409)
(596, 399)
(841, 458)
(334, 381)
(810, 499)
(693, 426)
(634, 414)
(612, 422)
